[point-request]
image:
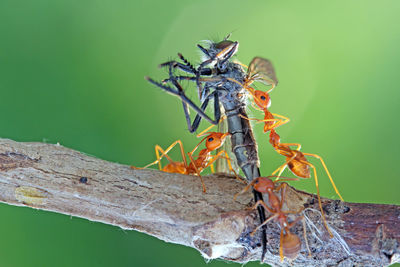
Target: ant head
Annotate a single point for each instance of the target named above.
(263, 184)
(215, 140)
(262, 99)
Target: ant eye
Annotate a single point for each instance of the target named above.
(262, 97)
(210, 139)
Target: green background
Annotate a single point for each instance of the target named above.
(72, 72)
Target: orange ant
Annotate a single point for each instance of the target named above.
(290, 243)
(203, 160)
(261, 70)
(299, 165)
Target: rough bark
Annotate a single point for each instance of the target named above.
(173, 208)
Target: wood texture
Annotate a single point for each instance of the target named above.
(173, 208)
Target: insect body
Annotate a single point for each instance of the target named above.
(219, 79)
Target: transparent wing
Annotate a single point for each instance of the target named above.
(221, 165)
(261, 70)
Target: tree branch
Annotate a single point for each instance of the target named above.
(173, 208)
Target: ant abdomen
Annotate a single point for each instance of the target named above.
(291, 245)
(299, 166)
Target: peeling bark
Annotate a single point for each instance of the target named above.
(173, 208)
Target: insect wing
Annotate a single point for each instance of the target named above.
(221, 164)
(261, 69)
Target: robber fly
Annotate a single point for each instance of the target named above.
(221, 80)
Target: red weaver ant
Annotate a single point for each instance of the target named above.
(203, 160)
(290, 243)
(261, 70)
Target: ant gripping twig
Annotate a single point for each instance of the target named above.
(198, 163)
(290, 244)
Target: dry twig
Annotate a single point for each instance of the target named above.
(173, 208)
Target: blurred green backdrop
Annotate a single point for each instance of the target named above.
(72, 72)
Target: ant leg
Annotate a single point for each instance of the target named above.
(261, 120)
(197, 171)
(228, 160)
(255, 106)
(245, 189)
(281, 245)
(205, 131)
(281, 187)
(164, 153)
(262, 203)
(277, 122)
(298, 146)
(290, 225)
(319, 197)
(282, 167)
(264, 223)
(327, 172)
(283, 120)
(272, 88)
(212, 168)
(240, 63)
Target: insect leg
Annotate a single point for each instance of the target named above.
(199, 116)
(186, 101)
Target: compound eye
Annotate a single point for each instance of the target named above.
(263, 97)
(210, 139)
(223, 44)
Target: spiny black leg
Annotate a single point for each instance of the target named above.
(179, 78)
(187, 67)
(217, 115)
(186, 78)
(203, 50)
(187, 63)
(202, 70)
(199, 70)
(197, 119)
(181, 66)
(184, 98)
